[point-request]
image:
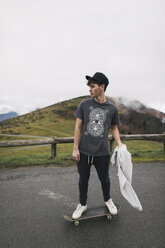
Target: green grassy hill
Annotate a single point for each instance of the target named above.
(55, 120)
(59, 120)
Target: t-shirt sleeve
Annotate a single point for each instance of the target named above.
(79, 112)
(115, 118)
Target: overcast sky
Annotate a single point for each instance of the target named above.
(48, 46)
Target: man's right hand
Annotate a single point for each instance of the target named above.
(76, 155)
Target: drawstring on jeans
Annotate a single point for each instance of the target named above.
(90, 160)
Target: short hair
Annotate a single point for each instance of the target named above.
(98, 83)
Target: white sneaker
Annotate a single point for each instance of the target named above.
(111, 206)
(79, 211)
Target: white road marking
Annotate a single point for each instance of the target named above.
(57, 197)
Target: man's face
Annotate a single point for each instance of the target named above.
(95, 90)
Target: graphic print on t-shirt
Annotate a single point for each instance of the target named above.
(97, 117)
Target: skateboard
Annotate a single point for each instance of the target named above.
(91, 213)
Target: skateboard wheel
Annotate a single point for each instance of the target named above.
(109, 217)
(76, 223)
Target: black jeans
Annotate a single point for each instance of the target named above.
(101, 164)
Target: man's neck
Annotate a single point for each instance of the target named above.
(100, 99)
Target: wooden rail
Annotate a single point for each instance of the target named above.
(53, 141)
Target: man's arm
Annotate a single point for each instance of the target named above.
(116, 135)
(77, 132)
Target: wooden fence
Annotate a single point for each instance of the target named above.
(53, 141)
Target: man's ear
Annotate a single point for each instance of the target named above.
(102, 86)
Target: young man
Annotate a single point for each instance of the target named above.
(94, 118)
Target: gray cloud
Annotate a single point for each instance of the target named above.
(47, 48)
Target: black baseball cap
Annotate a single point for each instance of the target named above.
(98, 77)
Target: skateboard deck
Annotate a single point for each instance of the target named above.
(91, 213)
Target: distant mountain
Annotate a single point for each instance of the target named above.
(139, 107)
(59, 120)
(8, 116)
(135, 117)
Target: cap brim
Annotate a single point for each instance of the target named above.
(91, 79)
(88, 77)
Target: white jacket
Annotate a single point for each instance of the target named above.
(122, 158)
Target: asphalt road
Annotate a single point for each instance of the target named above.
(33, 201)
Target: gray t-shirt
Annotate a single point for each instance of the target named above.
(97, 120)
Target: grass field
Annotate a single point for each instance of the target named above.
(58, 120)
(142, 151)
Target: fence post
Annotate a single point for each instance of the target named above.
(53, 150)
(164, 145)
